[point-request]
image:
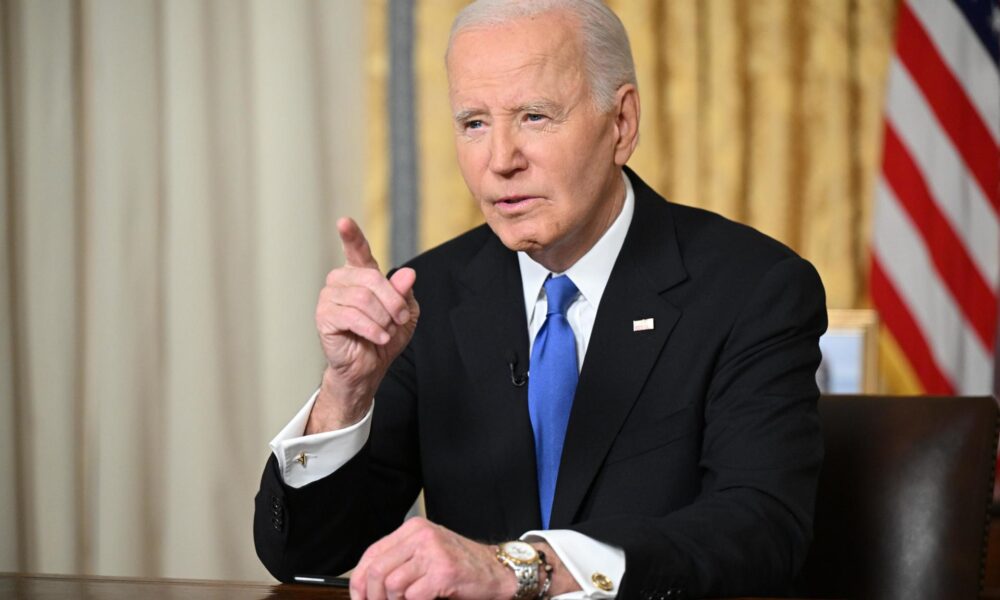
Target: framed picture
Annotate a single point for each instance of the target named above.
(850, 353)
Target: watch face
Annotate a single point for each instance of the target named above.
(520, 551)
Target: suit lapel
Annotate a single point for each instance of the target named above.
(618, 359)
(490, 327)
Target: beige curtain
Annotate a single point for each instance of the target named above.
(171, 171)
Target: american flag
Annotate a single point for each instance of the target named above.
(936, 243)
(936, 247)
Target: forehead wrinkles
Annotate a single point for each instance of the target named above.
(539, 79)
(521, 57)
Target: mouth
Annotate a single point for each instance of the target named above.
(514, 205)
(513, 200)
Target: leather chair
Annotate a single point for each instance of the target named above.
(902, 508)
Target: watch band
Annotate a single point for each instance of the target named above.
(527, 574)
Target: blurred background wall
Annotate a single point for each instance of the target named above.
(171, 171)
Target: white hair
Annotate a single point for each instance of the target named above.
(607, 55)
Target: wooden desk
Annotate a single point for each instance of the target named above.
(59, 587)
(54, 587)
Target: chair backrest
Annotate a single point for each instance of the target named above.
(902, 508)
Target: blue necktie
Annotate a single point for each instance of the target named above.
(551, 386)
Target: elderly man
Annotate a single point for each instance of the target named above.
(665, 440)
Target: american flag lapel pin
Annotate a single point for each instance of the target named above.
(642, 324)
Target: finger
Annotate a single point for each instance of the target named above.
(402, 580)
(353, 320)
(361, 298)
(363, 574)
(402, 282)
(356, 249)
(422, 587)
(392, 572)
(395, 304)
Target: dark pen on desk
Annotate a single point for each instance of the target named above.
(340, 582)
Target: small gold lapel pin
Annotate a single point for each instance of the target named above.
(302, 458)
(642, 324)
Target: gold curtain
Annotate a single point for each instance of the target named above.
(766, 111)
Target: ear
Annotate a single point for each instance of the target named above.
(626, 114)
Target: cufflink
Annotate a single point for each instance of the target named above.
(602, 582)
(302, 459)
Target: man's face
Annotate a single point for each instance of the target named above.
(537, 155)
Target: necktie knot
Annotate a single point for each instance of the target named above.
(559, 292)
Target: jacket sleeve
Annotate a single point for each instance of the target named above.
(325, 526)
(749, 528)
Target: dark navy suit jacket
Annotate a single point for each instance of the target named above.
(694, 446)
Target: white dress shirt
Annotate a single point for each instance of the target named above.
(582, 556)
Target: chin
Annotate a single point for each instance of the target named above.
(516, 241)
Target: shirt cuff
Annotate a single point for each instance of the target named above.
(586, 559)
(304, 459)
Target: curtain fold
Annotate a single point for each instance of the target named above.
(171, 174)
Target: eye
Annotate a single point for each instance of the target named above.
(474, 124)
(534, 117)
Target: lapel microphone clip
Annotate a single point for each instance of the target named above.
(518, 379)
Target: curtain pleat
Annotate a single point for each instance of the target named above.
(446, 206)
(171, 175)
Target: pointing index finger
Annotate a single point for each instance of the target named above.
(356, 249)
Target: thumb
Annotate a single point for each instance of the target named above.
(403, 280)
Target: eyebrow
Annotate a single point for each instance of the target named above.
(540, 106)
(464, 115)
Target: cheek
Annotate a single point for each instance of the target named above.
(471, 163)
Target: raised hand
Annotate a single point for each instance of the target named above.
(364, 321)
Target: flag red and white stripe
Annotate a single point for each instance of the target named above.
(936, 245)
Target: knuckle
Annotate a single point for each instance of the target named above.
(372, 329)
(370, 277)
(426, 536)
(334, 276)
(395, 583)
(357, 296)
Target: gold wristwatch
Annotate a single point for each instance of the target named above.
(523, 559)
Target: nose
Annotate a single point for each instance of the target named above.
(506, 156)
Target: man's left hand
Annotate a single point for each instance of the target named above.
(424, 560)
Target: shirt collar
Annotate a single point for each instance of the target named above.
(592, 271)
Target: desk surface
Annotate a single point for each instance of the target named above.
(54, 587)
(57, 587)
